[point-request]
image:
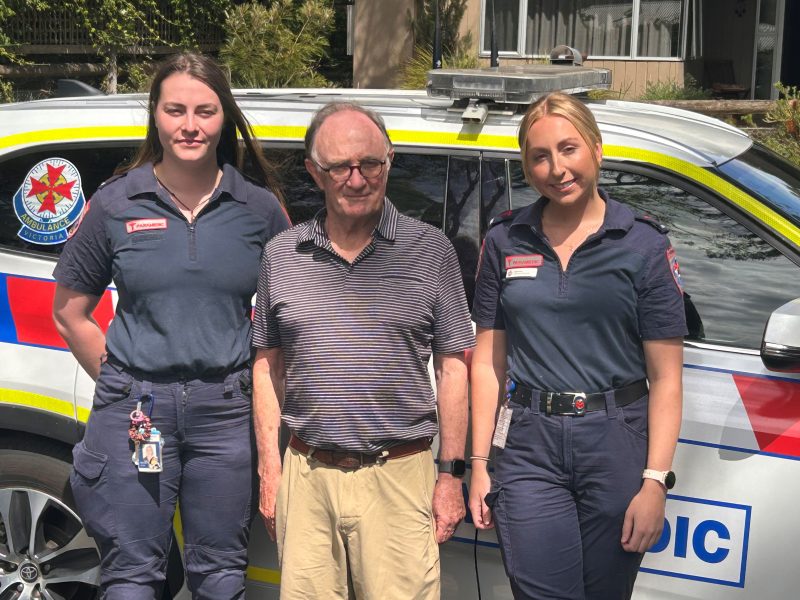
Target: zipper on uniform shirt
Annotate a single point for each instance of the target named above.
(192, 240)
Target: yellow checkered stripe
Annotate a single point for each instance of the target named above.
(707, 179)
(45, 403)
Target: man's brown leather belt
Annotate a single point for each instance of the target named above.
(355, 460)
(576, 403)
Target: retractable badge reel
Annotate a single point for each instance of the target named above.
(504, 417)
(146, 438)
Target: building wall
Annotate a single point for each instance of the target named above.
(382, 41)
(471, 23)
(630, 77)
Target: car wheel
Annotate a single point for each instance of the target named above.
(44, 550)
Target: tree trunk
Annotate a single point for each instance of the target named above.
(113, 71)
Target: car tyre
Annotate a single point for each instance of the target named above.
(44, 549)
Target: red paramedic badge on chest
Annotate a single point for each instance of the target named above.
(524, 261)
(145, 225)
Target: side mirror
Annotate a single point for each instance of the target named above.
(780, 347)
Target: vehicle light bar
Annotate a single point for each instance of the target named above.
(514, 84)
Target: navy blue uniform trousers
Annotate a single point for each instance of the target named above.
(559, 494)
(208, 464)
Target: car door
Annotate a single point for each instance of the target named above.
(739, 441)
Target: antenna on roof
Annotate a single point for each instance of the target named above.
(437, 38)
(493, 60)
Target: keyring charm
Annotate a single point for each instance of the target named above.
(139, 430)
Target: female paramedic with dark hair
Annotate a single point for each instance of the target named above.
(579, 307)
(180, 233)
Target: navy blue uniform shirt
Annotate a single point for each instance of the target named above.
(579, 328)
(185, 290)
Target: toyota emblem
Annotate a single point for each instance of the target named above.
(29, 572)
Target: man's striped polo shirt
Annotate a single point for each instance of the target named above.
(357, 337)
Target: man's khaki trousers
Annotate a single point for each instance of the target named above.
(367, 533)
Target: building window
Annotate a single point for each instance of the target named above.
(599, 28)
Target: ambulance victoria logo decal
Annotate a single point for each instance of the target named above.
(49, 201)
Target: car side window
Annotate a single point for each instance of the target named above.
(416, 185)
(301, 196)
(732, 278)
(94, 164)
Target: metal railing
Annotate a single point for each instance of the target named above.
(59, 29)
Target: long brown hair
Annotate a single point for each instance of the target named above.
(229, 150)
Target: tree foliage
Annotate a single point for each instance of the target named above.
(124, 26)
(280, 45)
(8, 8)
(456, 50)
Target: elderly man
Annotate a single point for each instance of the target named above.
(350, 307)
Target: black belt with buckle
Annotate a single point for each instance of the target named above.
(576, 404)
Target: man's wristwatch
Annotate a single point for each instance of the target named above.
(456, 468)
(665, 478)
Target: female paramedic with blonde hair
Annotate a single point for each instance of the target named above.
(580, 317)
(180, 232)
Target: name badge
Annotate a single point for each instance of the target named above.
(145, 225)
(521, 273)
(524, 261)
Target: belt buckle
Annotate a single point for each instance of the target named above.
(350, 462)
(578, 403)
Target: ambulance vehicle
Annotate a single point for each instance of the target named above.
(733, 211)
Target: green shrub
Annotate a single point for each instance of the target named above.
(786, 111)
(6, 91)
(414, 73)
(672, 90)
(138, 75)
(780, 142)
(450, 14)
(277, 46)
(784, 137)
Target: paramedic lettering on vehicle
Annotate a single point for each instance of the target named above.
(181, 232)
(350, 307)
(574, 294)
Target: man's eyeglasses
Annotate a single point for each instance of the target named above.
(369, 169)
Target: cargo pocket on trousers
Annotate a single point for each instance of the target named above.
(90, 489)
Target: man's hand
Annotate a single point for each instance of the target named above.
(268, 496)
(644, 518)
(448, 506)
(479, 486)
